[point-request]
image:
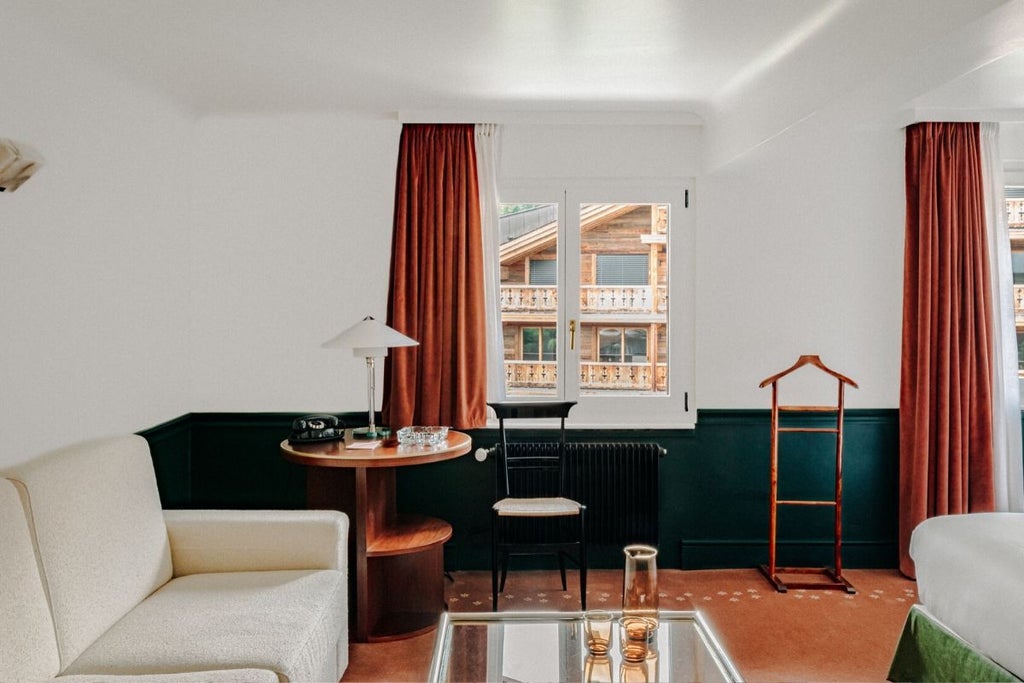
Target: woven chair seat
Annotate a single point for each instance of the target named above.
(536, 507)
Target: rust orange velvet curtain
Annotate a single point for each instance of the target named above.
(436, 293)
(946, 380)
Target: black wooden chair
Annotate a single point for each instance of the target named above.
(532, 515)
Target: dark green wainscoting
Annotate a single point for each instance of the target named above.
(713, 492)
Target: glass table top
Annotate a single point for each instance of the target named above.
(534, 647)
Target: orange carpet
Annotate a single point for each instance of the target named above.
(803, 635)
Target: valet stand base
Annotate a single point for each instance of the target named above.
(834, 581)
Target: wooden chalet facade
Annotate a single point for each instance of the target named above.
(621, 335)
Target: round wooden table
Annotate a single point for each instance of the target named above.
(397, 560)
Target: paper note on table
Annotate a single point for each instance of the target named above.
(368, 444)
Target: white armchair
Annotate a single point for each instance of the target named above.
(129, 591)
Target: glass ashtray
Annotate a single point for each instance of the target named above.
(422, 436)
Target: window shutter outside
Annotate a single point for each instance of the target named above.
(622, 269)
(543, 272)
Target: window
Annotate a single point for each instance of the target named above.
(622, 269)
(539, 343)
(597, 298)
(543, 272)
(622, 345)
(1014, 198)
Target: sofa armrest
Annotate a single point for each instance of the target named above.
(206, 541)
(223, 676)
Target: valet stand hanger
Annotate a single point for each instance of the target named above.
(833, 577)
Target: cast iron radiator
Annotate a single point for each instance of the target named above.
(618, 482)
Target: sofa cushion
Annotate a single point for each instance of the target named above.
(286, 621)
(100, 534)
(28, 648)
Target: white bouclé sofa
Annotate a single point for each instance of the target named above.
(98, 583)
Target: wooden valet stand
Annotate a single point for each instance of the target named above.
(833, 576)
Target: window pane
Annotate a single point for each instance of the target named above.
(1020, 354)
(636, 345)
(1014, 198)
(528, 255)
(610, 345)
(531, 343)
(549, 338)
(623, 292)
(1018, 267)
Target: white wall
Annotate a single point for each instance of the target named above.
(800, 246)
(600, 151)
(92, 252)
(292, 244)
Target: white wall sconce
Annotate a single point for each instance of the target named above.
(17, 164)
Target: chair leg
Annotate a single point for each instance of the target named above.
(583, 561)
(494, 562)
(561, 568)
(504, 571)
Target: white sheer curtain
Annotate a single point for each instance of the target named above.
(488, 153)
(1008, 471)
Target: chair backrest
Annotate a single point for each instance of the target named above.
(99, 531)
(533, 469)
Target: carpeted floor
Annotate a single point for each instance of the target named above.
(803, 635)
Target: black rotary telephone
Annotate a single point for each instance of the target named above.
(313, 428)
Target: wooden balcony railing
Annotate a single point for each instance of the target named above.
(593, 299)
(593, 376)
(527, 373)
(528, 299)
(1018, 304)
(621, 299)
(623, 376)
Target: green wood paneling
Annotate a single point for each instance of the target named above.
(170, 447)
(236, 462)
(713, 493)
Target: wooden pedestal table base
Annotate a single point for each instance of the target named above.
(396, 561)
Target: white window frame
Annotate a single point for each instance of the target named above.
(678, 408)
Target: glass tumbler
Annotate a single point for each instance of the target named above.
(597, 627)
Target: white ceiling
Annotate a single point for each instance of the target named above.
(998, 84)
(386, 56)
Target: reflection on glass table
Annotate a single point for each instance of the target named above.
(532, 647)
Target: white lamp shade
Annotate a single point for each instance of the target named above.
(369, 337)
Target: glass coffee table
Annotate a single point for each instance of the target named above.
(525, 647)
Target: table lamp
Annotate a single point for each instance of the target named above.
(371, 340)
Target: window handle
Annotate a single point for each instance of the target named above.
(572, 335)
